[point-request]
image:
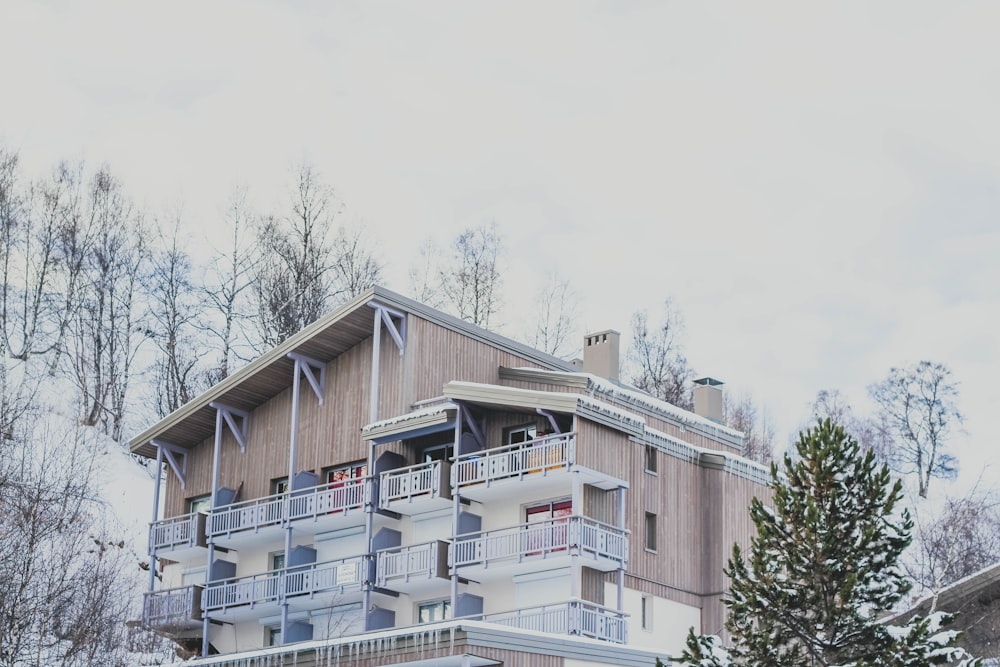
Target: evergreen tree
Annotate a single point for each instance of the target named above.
(823, 568)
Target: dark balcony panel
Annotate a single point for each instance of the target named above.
(469, 523)
(304, 479)
(298, 631)
(386, 538)
(380, 619)
(468, 604)
(221, 569)
(301, 555)
(225, 496)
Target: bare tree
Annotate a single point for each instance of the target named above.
(105, 335)
(658, 366)
(424, 276)
(743, 414)
(67, 582)
(870, 432)
(919, 406)
(36, 298)
(293, 282)
(470, 281)
(556, 308)
(956, 540)
(355, 267)
(175, 313)
(227, 290)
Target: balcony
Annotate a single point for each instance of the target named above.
(415, 489)
(577, 617)
(313, 510)
(305, 587)
(180, 538)
(173, 611)
(413, 568)
(532, 546)
(540, 467)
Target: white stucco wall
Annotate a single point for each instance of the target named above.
(669, 621)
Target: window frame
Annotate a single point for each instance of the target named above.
(194, 501)
(651, 456)
(443, 603)
(530, 431)
(354, 470)
(651, 532)
(280, 485)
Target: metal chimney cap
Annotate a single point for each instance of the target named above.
(709, 382)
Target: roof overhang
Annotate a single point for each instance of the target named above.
(412, 425)
(323, 340)
(510, 397)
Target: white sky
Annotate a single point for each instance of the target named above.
(815, 184)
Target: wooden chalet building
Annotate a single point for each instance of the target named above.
(393, 485)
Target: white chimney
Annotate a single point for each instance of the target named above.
(708, 398)
(600, 354)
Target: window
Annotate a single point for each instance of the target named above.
(341, 474)
(200, 503)
(272, 635)
(549, 539)
(437, 453)
(651, 459)
(650, 531)
(277, 560)
(279, 485)
(519, 434)
(429, 612)
(646, 613)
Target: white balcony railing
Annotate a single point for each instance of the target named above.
(276, 585)
(576, 617)
(276, 510)
(417, 561)
(564, 536)
(248, 515)
(421, 480)
(543, 455)
(326, 499)
(179, 532)
(171, 608)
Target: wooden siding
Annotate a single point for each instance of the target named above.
(329, 435)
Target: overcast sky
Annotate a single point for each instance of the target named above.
(814, 184)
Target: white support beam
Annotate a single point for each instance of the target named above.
(388, 317)
(229, 414)
(169, 451)
(308, 367)
(477, 433)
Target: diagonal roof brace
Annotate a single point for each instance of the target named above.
(389, 317)
(308, 367)
(230, 413)
(170, 451)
